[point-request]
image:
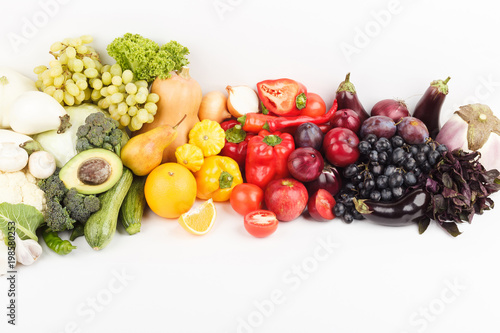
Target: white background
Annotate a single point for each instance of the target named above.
(375, 279)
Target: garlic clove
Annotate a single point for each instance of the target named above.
(27, 251)
(242, 100)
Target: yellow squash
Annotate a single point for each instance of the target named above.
(179, 95)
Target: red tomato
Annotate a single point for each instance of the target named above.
(261, 223)
(246, 198)
(315, 106)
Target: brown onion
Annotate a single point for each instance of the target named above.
(213, 107)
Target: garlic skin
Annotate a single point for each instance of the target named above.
(474, 127)
(27, 251)
(490, 153)
(454, 134)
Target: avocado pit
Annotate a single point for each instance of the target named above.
(94, 171)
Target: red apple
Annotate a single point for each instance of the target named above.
(287, 198)
(320, 206)
(341, 146)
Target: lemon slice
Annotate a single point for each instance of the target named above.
(199, 220)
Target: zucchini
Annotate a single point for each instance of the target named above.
(101, 226)
(133, 206)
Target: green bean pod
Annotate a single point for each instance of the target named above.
(55, 243)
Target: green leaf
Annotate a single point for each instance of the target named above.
(451, 227)
(27, 219)
(447, 181)
(423, 223)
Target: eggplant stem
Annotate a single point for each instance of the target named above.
(447, 79)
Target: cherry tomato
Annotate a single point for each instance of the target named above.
(315, 106)
(261, 223)
(246, 198)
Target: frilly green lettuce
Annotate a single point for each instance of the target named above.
(145, 58)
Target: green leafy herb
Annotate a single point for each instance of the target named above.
(27, 219)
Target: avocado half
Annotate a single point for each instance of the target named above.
(92, 171)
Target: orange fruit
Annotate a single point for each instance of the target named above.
(170, 190)
(199, 220)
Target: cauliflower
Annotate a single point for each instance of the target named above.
(21, 187)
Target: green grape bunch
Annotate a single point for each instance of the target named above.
(67, 79)
(77, 76)
(128, 101)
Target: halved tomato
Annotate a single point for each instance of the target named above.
(261, 223)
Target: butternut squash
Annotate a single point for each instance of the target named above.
(179, 95)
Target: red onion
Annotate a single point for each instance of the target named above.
(346, 118)
(394, 109)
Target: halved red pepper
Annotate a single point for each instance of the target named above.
(283, 97)
(267, 157)
(236, 142)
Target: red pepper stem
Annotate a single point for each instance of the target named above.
(272, 140)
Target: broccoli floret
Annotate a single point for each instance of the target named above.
(99, 131)
(53, 187)
(108, 146)
(115, 138)
(145, 58)
(82, 130)
(83, 144)
(57, 217)
(95, 119)
(96, 136)
(80, 206)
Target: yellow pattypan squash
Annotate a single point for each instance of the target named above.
(209, 136)
(189, 156)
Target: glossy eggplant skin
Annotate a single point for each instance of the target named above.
(347, 98)
(428, 108)
(396, 214)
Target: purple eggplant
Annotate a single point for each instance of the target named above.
(399, 213)
(347, 98)
(428, 108)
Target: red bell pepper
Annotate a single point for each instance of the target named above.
(236, 142)
(254, 122)
(267, 157)
(283, 97)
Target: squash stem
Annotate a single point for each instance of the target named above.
(184, 73)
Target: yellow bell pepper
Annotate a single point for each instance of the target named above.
(217, 178)
(209, 136)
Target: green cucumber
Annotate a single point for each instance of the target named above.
(133, 206)
(101, 226)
